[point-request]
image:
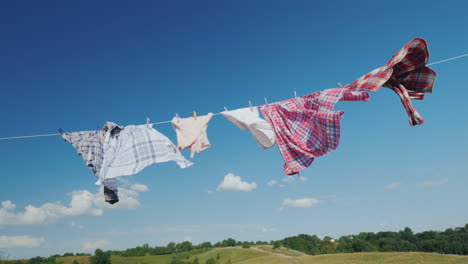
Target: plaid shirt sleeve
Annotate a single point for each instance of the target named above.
(406, 74)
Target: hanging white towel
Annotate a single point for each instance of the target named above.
(249, 119)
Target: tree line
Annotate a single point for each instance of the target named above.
(450, 241)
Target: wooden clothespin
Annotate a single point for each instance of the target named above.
(195, 115)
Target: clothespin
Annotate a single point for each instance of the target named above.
(250, 104)
(225, 109)
(60, 130)
(195, 115)
(177, 115)
(147, 122)
(266, 101)
(295, 94)
(340, 85)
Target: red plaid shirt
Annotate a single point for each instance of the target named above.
(405, 71)
(307, 127)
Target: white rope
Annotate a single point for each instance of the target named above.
(33, 136)
(165, 122)
(454, 58)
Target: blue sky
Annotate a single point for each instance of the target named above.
(78, 65)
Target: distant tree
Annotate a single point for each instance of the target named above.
(184, 246)
(360, 245)
(171, 247)
(239, 243)
(276, 244)
(68, 254)
(146, 248)
(246, 244)
(36, 260)
(206, 245)
(230, 242)
(100, 257)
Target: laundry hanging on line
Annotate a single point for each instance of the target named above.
(307, 127)
(406, 74)
(303, 127)
(118, 151)
(249, 119)
(191, 133)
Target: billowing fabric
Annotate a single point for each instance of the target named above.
(307, 127)
(191, 133)
(406, 74)
(90, 145)
(136, 147)
(249, 119)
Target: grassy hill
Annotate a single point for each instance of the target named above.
(267, 255)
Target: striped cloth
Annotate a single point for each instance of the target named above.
(307, 127)
(90, 145)
(135, 148)
(406, 74)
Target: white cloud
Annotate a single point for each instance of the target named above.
(233, 183)
(281, 185)
(74, 225)
(82, 203)
(139, 187)
(20, 241)
(435, 183)
(301, 203)
(288, 179)
(303, 179)
(392, 186)
(272, 182)
(188, 238)
(89, 245)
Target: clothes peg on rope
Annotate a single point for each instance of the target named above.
(250, 104)
(266, 101)
(225, 109)
(60, 130)
(147, 122)
(195, 115)
(295, 94)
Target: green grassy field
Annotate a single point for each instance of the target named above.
(267, 255)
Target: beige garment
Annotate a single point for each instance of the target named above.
(191, 133)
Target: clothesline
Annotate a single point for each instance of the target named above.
(165, 122)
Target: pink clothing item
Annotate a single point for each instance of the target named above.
(191, 133)
(307, 127)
